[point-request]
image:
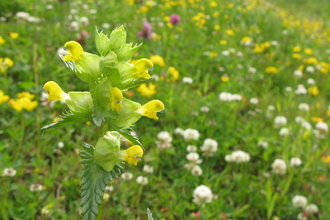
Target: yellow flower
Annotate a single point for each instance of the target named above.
(147, 91)
(2, 41)
(116, 99)
(313, 90)
(296, 49)
(74, 50)
(213, 4)
(23, 103)
(311, 60)
(213, 54)
(151, 108)
(217, 27)
(26, 94)
(258, 48)
(142, 67)
(3, 98)
(246, 40)
(230, 32)
(325, 67)
(174, 73)
(158, 60)
(316, 119)
(223, 42)
(133, 154)
(13, 35)
(54, 91)
(296, 56)
(326, 159)
(308, 51)
(5, 63)
(225, 78)
(271, 69)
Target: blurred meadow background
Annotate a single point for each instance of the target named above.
(244, 134)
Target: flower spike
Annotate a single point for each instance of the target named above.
(142, 66)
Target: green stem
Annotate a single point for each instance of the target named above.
(138, 201)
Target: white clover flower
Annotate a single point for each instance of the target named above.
(202, 194)
(254, 101)
(9, 172)
(104, 25)
(205, 109)
(263, 144)
(193, 157)
(288, 89)
(299, 201)
(310, 69)
(84, 21)
(106, 197)
(221, 69)
(190, 134)
(301, 216)
(295, 162)
(322, 126)
(298, 73)
(191, 148)
(196, 171)
(74, 26)
(225, 53)
(187, 80)
(226, 96)
(238, 156)
(284, 132)
(239, 54)
(126, 176)
(301, 90)
(179, 131)
(148, 169)
(209, 147)
(285, 32)
(143, 180)
(252, 70)
(271, 108)
(303, 107)
(299, 119)
(306, 125)
(274, 43)
(311, 208)
(279, 166)
(35, 187)
(165, 140)
(22, 15)
(109, 188)
(310, 81)
(60, 144)
(279, 121)
(236, 97)
(49, 7)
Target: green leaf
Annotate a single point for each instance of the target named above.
(126, 51)
(94, 181)
(73, 117)
(149, 214)
(128, 133)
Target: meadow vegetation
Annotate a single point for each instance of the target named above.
(244, 133)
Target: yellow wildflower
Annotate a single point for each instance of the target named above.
(225, 78)
(147, 90)
(325, 67)
(5, 63)
(217, 27)
(258, 48)
(230, 32)
(13, 35)
(2, 41)
(26, 94)
(313, 90)
(296, 56)
(54, 91)
(296, 49)
(151, 109)
(326, 159)
(271, 69)
(116, 99)
(213, 4)
(158, 60)
(174, 73)
(3, 98)
(316, 119)
(311, 60)
(133, 154)
(23, 103)
(142, 67)
(246, 40)
(308, 51)
(213, 54)
(74, 50)
(223, 42)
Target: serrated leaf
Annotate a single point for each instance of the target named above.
(149, 214)
(70, 117)
(128, 133)
(94, 181)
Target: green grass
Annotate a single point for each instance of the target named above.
(241, 190)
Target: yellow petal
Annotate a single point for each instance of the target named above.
(151, 108)
(74, 50)
(54, 91)
(142, 66)
(133, 154)
(116, 99)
